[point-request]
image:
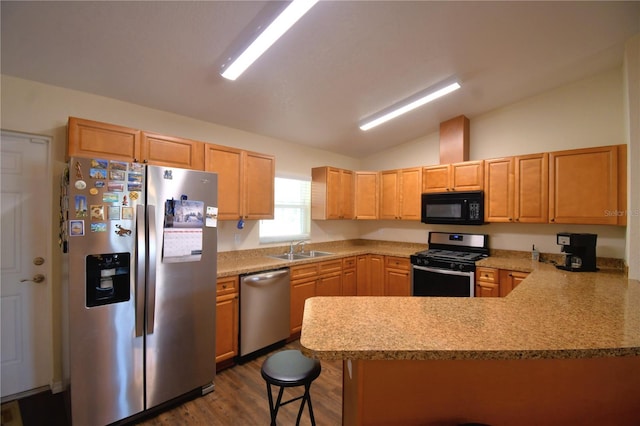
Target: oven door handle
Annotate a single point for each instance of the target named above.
(443, 271)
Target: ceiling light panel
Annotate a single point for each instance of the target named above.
(421, 98)
(284, 21)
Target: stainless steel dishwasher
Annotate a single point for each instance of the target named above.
(264, 310)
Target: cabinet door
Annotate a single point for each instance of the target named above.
(227, 163)
(332, 196)
(410, 193)
(226, 326)
(583, 186)
(259, 180)
(376, 277)
(301, 290)
(467, 176)
(349, 283)
(329, 285)
(101, 140)
(346, 195)
(435, 178)
(370, 275)
(172, 152)
(366, 195)
(363, 285)
(498, 187)
(510, 280)
(397, 283)
(484, 289)
(531, 198)
(389, 194)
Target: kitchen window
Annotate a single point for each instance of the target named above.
(292, 213)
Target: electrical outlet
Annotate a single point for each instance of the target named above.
(236, 238)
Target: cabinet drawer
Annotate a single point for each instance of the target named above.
(349, 263)
(397, 263)
(304, 271)
(227, 285)
(490, 275)
(330, 266)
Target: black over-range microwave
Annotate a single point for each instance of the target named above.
(454, 208)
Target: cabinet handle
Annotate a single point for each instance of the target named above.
(553, 219)
(510, 219)
(224, 286)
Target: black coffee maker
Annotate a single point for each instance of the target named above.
(580, 250)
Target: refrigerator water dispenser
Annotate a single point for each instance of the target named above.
(108, 278)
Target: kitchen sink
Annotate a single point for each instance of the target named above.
(315, 253)
(303, 255)
(289, 256)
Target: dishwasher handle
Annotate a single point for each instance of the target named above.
(266, 276)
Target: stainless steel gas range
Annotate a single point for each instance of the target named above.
(447, 268)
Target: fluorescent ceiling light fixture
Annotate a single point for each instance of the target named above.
(284, 21)
(411, 103)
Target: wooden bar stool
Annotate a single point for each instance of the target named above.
(289, 369)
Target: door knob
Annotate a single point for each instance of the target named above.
(38, 261)
(37, 278)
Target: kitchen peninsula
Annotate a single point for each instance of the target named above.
(562, 348)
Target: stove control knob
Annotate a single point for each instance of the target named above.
(452, 266)
(425, 262)
(461, 267)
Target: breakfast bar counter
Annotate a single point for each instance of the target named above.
(562, 348)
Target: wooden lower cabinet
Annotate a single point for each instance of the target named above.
(329, 278)
(349, 283)
(227, 318)
(487, 282)
(492, 282)
(510, 280)
(309, 280)
(303, 286)
(370, 275)
(397, 276)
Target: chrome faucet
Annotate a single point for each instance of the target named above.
(293, 245)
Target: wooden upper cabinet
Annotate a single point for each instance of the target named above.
(259, 185)
(499, 189)
(516, 189)
(465, 176)
(584, 186)
(331, 193)
(172, 152)
(531, 201)
(93, 139)
(435, 178)
(227, 163)
(366, 195)
(245, 182)
(400, 194)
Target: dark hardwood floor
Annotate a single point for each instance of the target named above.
(240, 398)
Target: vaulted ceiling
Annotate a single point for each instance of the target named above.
(341, 62)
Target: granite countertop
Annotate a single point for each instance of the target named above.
(249, 261)
(551, 314)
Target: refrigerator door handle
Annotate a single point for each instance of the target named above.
(151, 283)
(141, 254)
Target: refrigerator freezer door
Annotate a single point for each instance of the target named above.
(180, 340)
(105, 361)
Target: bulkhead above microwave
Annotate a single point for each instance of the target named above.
(453, 208)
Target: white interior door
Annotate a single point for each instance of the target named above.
(26, 241)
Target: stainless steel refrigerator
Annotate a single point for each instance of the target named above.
(141, 295)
